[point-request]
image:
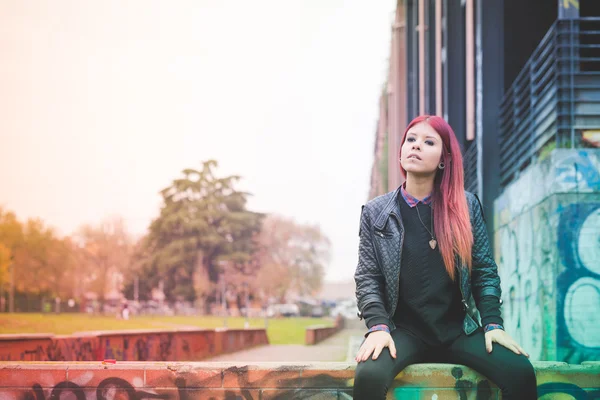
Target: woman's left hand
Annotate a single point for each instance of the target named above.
(501, 337)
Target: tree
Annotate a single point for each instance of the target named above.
(31, 274)
(5, 256)
(104, 251)
(45, 266)
(11, 239)
(39, 260)
(292, 257)
(63, 265)
(135, 273)
(203, 225)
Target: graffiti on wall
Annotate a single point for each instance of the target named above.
(576, 170)
(286, 383)
(108, 389)
(548, 252)
(521, 258)
(55, 349)
(126, 346)
(578, 284)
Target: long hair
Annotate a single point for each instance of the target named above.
(452, 224)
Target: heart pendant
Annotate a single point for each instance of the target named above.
(432, 243)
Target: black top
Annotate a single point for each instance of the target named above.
(429, 304)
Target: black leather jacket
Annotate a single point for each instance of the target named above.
(380, 250)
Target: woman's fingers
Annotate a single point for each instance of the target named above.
(502, 339)
(488, 343)
(523, 351)
(360, 353)
(514, 349)
(374, 345)
(505, 340)
(511, 345)
(392, 347)
(377, 351)
(367, 352)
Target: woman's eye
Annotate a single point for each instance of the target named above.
(429, 142)
(410, 139)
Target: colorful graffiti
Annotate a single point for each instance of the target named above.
(108, 389)
(190, 345)
(50, 348)
(578, 334)
(248, 382)
(547, 237)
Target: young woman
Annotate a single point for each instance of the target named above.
(426, 283)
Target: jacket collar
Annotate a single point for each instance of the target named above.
(391, 208)
(411, 200)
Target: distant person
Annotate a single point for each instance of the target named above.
(125, 312)
(426, 274)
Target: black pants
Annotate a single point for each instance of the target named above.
(511, 372)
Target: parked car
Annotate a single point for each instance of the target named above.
(317, 312)
(283, 310)
(346, 308)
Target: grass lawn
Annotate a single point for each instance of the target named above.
(279, 331)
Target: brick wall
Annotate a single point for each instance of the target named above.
(153, 345)
(317, 333)
(195, 381)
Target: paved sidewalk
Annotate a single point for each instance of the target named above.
(336, 348)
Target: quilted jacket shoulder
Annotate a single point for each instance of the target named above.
(377, 205)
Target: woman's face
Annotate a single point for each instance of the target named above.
(421, 152)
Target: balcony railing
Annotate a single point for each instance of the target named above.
(554, 98)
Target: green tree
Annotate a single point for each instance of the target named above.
(203, 226)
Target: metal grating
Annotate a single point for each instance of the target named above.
(555, 96)
(470, 168)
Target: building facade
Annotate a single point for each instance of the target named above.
(519, 82)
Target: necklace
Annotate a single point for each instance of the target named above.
(432, 242)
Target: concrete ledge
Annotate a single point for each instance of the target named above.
(317, 333)
(131, 345)
(27, 336)
(200, 380)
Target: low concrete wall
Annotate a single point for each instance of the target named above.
(139, 345)
(179, 381)
(317, 333)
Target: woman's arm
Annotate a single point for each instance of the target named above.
(368, 277)
(484, 275)
(485, 280)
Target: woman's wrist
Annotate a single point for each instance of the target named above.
(491, 327)
(377, 328)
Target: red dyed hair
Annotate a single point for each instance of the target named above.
(451, 220)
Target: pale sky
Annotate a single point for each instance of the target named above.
(103, 103)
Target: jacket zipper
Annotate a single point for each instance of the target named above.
(462, 294)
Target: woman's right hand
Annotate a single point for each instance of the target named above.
(374, 344)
